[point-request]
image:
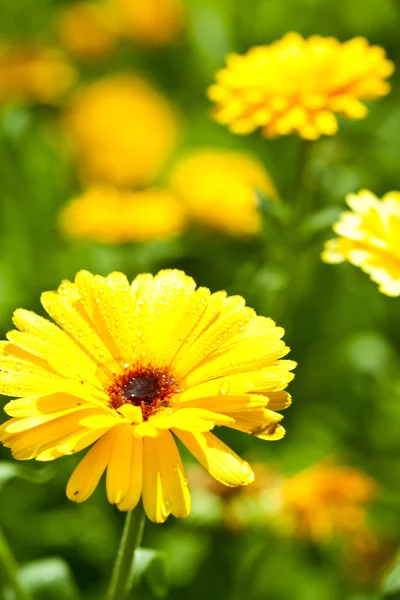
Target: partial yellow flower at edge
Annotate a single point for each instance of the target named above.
(297, 85)
(129, 367)
(328, 500)
(218, 189)
(33, 73)
(149, 22)
(114, 216)
(87, 29)
(369, 238)
(122, 129)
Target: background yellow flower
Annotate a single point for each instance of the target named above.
(123, 130)
(109, 215)
(218, 187)
(295, 85)
(369, 238)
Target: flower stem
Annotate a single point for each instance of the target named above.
(130, 540)
(9, 566)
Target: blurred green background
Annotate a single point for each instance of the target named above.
(342, 332)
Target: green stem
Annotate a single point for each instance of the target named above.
(9, 566)
(130, 540)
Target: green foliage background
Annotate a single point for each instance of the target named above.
(343, 333)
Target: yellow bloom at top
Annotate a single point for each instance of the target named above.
(33, 73)
(120, 216)
(87, 29)
(369, 237)
(123, 130)
(327, 500)
(149, 22)
(218, 187)
(126, 369)
(296, 85)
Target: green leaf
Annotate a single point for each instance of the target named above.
(151, 566)
(11, 470)
(47, 579)
(391, 581)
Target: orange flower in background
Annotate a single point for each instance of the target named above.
(119, 216)
(297, 85)
(327, 500)
(33, 73)
(218, 188)
(150, 22)
(127, 369)
(123, 130)
(369, 238)
(87, 29)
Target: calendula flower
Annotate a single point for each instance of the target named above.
(130, 367)
(33, 73)
(296, 85)
(114, 216)
(87, 29)
(153, 22)
(218, 187)
(328, 500)
(123, 130)
(369, 237)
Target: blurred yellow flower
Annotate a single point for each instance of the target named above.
(127, 368)
(295, 85)
(327, 500)
(218, 188)
(32, 73)
(119, 216)
(369, 237)
(152, 22)
(87, 29)
(123, 130)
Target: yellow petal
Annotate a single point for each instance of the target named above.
(261, 423)
(225, 402)
(86, 476)
(132, 496)
(40, 405)
(173, 476)
(154, 501)
(188, 419)
(119, 465)
(219, 460)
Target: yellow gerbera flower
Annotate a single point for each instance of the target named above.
(87, 29)
(153, 22)
(296, 85)
(328, 500)
(33, 73)
(369, 237)
(131, 366)
(119, 216)
(123, 130)
(218, 188)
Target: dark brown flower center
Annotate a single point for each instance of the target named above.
(148, 388)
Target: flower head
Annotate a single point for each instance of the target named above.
(32, 73)
(123, 130)
(153, 22)
(86, 29)
(296, 85)
(369, 237)
(328, 500)
(218, 188)
(130, 367)
(115, 216)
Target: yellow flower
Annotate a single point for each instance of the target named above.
(328, 500)
(296, 85)
(87, 30)
(119, 216)
(127, 368)
(33, 73)
(152, 22)
(218, 188)
(369, 237)
(123, 130)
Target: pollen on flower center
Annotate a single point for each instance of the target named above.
(146, 387)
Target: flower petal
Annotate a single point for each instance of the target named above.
(119, 465)
(134, 491)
